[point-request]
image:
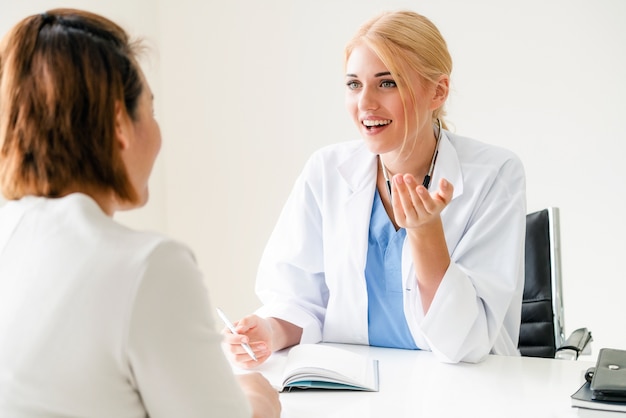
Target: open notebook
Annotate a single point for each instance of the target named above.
(318, 366)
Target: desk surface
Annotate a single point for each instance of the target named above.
(414, 384)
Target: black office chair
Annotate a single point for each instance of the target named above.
(542, 332)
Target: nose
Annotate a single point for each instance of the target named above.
(368, 99)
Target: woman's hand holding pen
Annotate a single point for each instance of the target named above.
(257, 333)
(413, 205)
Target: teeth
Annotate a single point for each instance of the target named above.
(370, 123)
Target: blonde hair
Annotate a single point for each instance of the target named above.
(406, 41)
(61, 75)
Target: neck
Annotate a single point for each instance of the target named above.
(416, 162)
(420, 161)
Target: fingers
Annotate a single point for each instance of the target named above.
(249, 330)
(236, 353)
(246, 324)
(239, 354)
(244, 327)
(412, 203)
(243, 360)
(410, 198)
(234, 339)
(446, 191)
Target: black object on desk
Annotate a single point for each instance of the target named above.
(609, 378)
(605, 386)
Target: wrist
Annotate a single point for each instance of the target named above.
(283, 334)
(426, 230)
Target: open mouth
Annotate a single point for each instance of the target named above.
(373, 124)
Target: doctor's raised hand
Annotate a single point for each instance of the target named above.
(414, 206)
(410, 237)
(418, 212)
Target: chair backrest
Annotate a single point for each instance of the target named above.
(542, 327)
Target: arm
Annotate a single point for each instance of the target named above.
(262, 397)
(479, 296)
(419, 213)
(291, 279)
(173, 350)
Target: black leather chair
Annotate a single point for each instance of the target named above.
(542, 332)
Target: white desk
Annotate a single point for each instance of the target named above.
(414, 384)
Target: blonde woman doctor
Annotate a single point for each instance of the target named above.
(411, 237)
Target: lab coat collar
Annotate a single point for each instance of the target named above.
(448, 166)
(358, 169)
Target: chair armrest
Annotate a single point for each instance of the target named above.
(576, 343)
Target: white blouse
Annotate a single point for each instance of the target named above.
(97, 320)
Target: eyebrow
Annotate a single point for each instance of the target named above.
(383, 74)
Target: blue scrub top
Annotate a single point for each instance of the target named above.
(387, 325)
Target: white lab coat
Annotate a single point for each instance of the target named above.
(312, 270)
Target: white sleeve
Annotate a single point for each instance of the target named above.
(477, 307)
(173, 347)
(291, 279)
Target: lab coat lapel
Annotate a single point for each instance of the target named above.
(358, 172)
(448, 167)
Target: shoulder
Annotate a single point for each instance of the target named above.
(488, 173)
(114, 242)
(157, 252)
(474, 151)
(333, 155)
(339, 151)
(470, 148)
(475, 154)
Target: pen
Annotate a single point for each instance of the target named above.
(231, 327)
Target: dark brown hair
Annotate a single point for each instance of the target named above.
(61, 75)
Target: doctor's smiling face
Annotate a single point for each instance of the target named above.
(384, 118)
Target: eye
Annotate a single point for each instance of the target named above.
(353, 84)
(388, 84)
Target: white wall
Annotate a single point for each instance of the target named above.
(246, 90)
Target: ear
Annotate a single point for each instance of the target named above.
(122, 127)
(442, 88)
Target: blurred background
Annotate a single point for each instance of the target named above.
(246, 90)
